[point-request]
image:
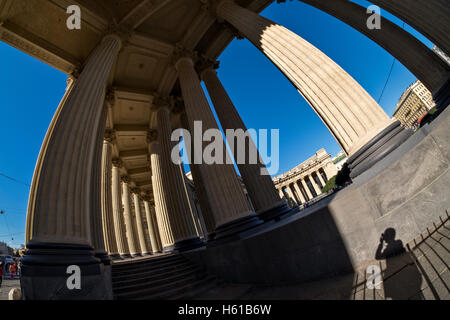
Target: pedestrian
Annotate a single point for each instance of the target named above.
(12, 270)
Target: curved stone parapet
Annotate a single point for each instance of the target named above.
(406, 191)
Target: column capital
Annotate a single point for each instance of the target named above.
(125, 179)
(110, 97)
(181, 53)
(207, 65)
(117, 163)
(146, 197)
(110, 135)
(135, 191)
(152, 135)
(160, 102)
(118, 34)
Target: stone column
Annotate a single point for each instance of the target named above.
(152, 231)
(314, 184)
(429, 17)
(305, 186)
(280, 193)
(321, 178)
(160, 205)
(131, 236)
(62, 192)
(290, 193)
(432, 71)
(200, 191)
(177, 209)
(119, 225)
(232, 212)
(106, 199)
(139, 224)
(299, 192)
(256, 178)
(349, 112)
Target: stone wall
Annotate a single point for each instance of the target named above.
(407, 191)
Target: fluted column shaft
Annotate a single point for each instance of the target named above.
(106, 201)
(152, 232)
(226, 197)
(305, 186)
(139, 224)
(314, 184)
(321, 178)
(257, 180)
(62, 192)
(116, 203)
(280, 193)
(431, 70)
(178, 210)
(290, 193)
(349, 112)
(299, 192)
(161, 206)
(200, 191)
(129, 225)
(429, 17)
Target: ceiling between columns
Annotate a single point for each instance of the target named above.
(143, 68)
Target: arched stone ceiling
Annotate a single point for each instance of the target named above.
(153, 29)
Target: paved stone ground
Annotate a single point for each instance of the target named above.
(7, 285)
(421, 272)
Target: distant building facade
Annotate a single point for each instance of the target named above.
(305, 182)
(5, 249)
(414, 103)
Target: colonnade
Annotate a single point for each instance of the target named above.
(304, 188)
(77, 212)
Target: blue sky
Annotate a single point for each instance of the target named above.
(30, 92)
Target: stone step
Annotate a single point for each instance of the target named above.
(126, 276)
(148, 266)
(184, 291)
(140, 279)
(130, 264)
(159, 288)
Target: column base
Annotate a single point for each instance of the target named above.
(377, 148)
(125, 256)
(276, 212)
(103, 257)
(135, 255)
(184, 245)
(44, 273)
(237, 226)
(115, 256)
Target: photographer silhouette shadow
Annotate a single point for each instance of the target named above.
(401, 278)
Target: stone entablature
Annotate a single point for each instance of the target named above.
(312, 164)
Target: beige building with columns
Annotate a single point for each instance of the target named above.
(135, 72)
(414, 103)
(306, 181)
